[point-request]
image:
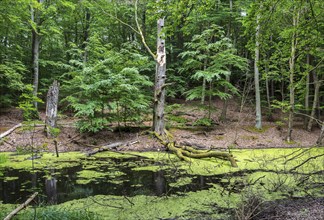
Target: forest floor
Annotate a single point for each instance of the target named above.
(182, 121)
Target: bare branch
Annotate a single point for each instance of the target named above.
(141, 33)
(119, 20)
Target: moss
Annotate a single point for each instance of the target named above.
(111, 154)
(151, 207)
(149, 168)
(181, 182)
(275, 173)
(10, 178)
(90, 174)
(46, 160)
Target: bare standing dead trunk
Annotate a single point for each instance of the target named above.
(51, 107)
(160, 77)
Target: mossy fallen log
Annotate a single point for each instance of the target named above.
(187, 152)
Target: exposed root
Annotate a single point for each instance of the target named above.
(187, 152)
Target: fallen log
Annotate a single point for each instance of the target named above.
(4, 134)
(111, 146)
(22, 206)
(186, 152)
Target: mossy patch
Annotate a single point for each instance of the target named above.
(274, 173)
(181, 182)
(45, 160)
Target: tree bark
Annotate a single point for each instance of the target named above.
(317, 85)
(258, 124)
(227, 77)
(4, 134)
(111, 146)
(22, 206)
(292, 58)
(307, 92)
(51, 107)
(321, 136)
(86, 35)
(203, 94)
(160, 77)
(36, 40)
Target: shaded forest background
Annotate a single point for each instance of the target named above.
(266, 53)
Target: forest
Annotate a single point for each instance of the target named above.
(161, 109)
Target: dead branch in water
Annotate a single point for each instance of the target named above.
(22, 206)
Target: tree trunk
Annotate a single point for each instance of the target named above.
(203, 94)
(35, 63)
(317, 85)
(321, 136)
(36, 39)
(307, 92)
(86, 35)
(160, 77)
(268, 92)
(51, 107)
(258, 124)
(291, 78)
(227, 77)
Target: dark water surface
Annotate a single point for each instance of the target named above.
(60, 185)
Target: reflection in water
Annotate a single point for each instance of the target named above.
(159, 181)
(51, 189)
(62, 184)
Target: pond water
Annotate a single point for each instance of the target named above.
(100, 176)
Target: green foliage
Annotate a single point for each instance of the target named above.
(109, 88)
(203, 122)
(26, 103)
(55, 131)
(53, 213)
(11, 82)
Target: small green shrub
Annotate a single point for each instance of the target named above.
(203, 122)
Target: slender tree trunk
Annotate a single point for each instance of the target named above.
(160, 77)
(307, 93)
(86, 35)
(227, 77)
(291, 78)
(203, 94)
(268, 91)
(210, 99)
(256, 76)
(317, 85)
(35, 63)
(36, 39)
